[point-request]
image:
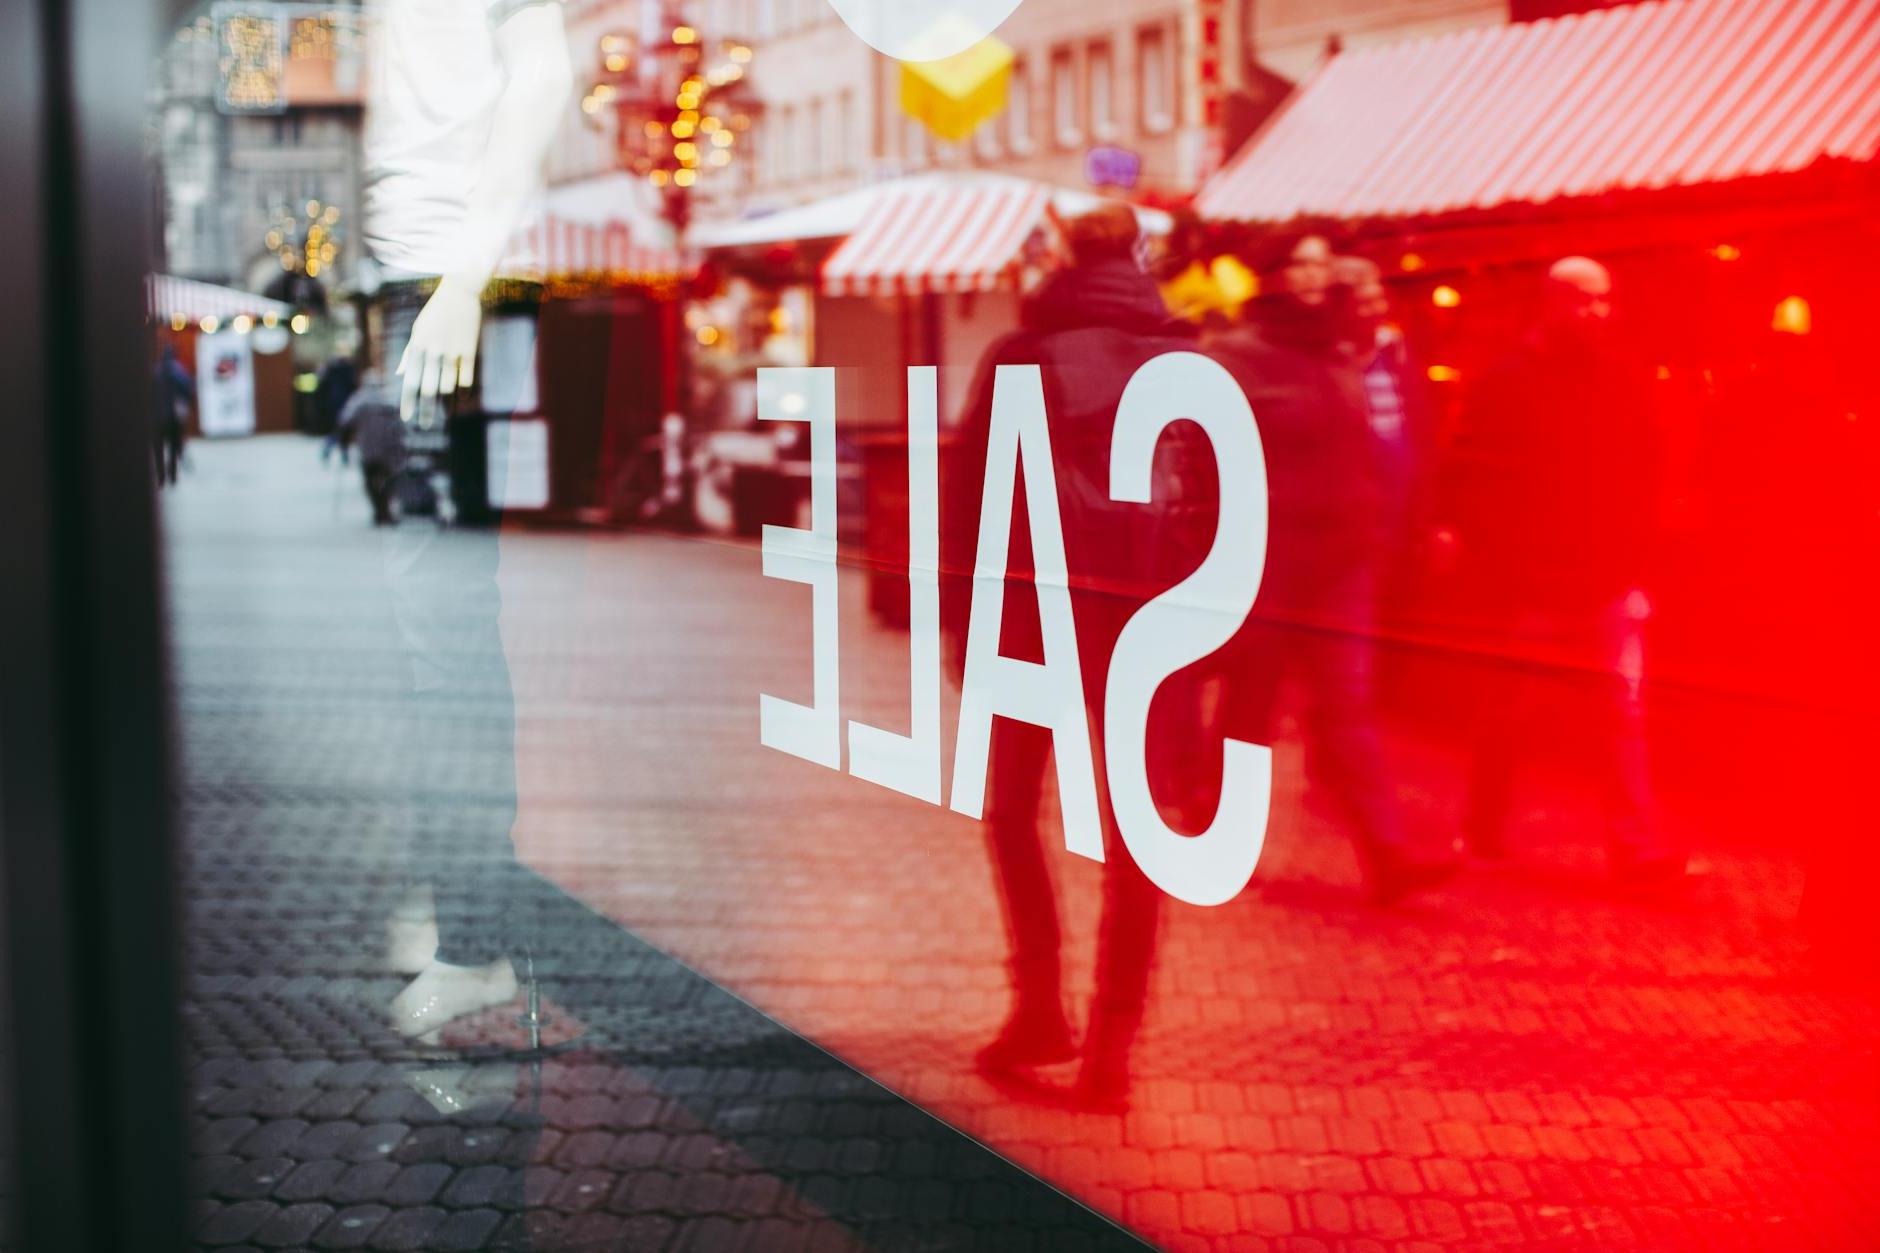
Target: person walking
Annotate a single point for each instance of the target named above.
(174, 401)
(1317, 609)
(370, 422)
(1549, 506)
(1087, 329)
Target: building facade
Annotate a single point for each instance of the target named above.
(227, 179)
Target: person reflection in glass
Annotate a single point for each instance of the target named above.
(1089, 327)
(1550, 505)
(466, 96)
(1316, 615)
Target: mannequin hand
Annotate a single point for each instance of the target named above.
(442, 353)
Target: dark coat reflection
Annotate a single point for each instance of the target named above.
(1089, 327)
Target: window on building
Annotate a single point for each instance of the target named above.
(1155, 80)
(986, 139)
(787, 168)
(1018, 109)
(1102, 74)
(913, 144)
(1064, 120)
(843, 144)
(814, 141)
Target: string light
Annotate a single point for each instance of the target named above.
(1445, 297)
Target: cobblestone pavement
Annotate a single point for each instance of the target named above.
(680, 1118)
(1521, 1059)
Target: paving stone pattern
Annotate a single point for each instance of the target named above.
(1523, 1059)
(680, 1119)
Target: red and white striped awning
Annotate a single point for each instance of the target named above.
(559, 248)
(938, 235)
(1645, 96)
(189, 300)
(606, 227)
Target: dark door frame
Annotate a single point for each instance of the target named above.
(93, 1081)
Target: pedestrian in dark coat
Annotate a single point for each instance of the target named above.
(1317, 610)
(370, 422)
(1089, 328)
(173, 401)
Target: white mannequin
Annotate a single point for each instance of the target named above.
(532, 46)
(473, 94)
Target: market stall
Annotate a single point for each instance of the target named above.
(602, 376)
(235, 344)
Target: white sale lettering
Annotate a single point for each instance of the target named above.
(1179, 627)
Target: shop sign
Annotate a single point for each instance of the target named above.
(225, 384)
(1110, 166)
(1183, 625)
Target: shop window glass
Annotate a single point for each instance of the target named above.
(1018, 108)
(1102, 72)
(1065, 124)
(1155, 80)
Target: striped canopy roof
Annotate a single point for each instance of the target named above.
(1676, 93)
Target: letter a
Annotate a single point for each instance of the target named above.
(1049, 694)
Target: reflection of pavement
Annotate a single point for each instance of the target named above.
(681, 1119)
(1518, 1059)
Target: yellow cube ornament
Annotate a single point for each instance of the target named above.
(954, 96)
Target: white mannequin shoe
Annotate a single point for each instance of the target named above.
(442, 993)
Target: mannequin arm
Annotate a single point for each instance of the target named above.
(533, 47)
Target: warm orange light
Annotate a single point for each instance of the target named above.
(1411, 263)
(722, 138)
(613, 43)
(685, 178)
(684, 35)
(178, 322)
(655, 129)
(590, 104)
(616, 62)
(1445, 297)
(682, 129)
(685, 153)
(1444, 374)
(1726, 252)
(1792, 317)
(660, 178)
(708, 335)
(1664, 372)
(740, 54)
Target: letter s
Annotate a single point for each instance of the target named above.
(1187, 623)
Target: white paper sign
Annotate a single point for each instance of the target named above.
(225, 384)
(517, 470)
(506, 364)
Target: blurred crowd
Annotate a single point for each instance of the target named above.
(1536, 510)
